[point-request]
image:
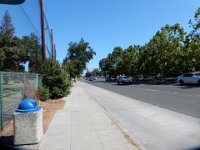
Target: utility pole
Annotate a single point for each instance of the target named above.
(53, 46)
(42, 31)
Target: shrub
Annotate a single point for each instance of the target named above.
(43, 93)
(56, 79)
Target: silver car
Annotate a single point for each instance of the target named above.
(189, 78)
(124, 80)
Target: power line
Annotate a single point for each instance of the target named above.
(29, 20)
(47, 28)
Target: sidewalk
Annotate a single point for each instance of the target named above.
(83, 125)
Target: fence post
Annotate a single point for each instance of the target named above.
(1, 99)
(36, 81)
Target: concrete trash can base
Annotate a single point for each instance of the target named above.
(28, 126)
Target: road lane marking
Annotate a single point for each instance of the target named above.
(152, 90)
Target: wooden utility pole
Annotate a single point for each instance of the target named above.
(53, 46)
(43, 31)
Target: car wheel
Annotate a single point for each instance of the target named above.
(181, 82)
(199, 83)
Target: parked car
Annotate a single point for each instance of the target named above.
(189, 78)
(124, 80)
(92, 78)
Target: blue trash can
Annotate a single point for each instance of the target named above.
(28, 105)
(28, 122)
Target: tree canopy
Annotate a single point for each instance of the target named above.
(15, 51)
(169, 52)
(78, 55)
(6, 29)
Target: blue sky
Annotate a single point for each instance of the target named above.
(103, 23)
(109, 23)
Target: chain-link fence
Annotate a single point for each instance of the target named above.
(21, 34)
(13, 88)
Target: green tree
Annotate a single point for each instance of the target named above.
(169, 52)
(2, 58)
(88, 74)
(10, 46)
(164, 51)
(195, 24)
(102, 66)
(143, 65)
(56, 79)
(95, 72)
(109, 64)
(191, 54)
(78, 55)
(12, 61)
(6, 29)
(11, 54)
(115, 60)
(128, 62)
(31, 45)
(14, 52)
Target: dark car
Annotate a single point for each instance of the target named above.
(92, 78)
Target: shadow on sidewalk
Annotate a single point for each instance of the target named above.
(6, 143)
(196, 148)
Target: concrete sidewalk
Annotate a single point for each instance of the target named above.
(84, 125)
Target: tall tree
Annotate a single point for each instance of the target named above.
(78, 55)
(143, 65)
(102, 65)
(192, 44)
(128, 62)
(195, 24)
(115, 59)
(32, 52)
(164, 50)
(10, 46)
(6, 29)
(109, 64)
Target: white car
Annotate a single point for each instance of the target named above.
(189, 78)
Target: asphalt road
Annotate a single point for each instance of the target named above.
(182, 99)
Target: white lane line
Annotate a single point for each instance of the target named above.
(152, 90)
